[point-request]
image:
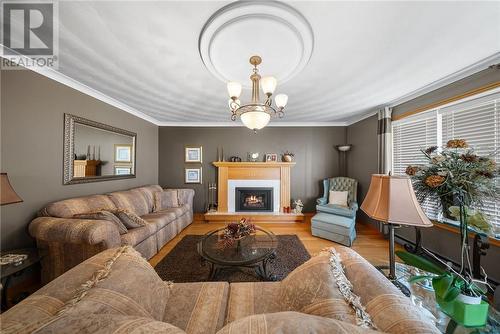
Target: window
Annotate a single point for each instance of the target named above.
(476, 120)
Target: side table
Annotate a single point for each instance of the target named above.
(10, 270)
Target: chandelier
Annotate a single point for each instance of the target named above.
(255, 115)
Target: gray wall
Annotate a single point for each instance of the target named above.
(362, 159)
(32, 109)
(314, 151)
(479, 79)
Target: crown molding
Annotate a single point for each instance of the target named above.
(240, 125)
(77, 85)
(451, 78)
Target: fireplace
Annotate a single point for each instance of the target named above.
(254, 199)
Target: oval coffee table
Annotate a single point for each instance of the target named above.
(253, 251)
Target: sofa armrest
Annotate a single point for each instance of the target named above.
(354, 207)
(185, 196)
(75, 231)
(322, 201)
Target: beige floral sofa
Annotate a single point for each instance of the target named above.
(66, 241)
(117, 291)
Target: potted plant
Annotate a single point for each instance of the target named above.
(458, 296)
(460, 180)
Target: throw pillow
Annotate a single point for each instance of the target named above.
(338, 197)
(165, 199)
(130, 219)
(103, 215)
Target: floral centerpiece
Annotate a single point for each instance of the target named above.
(457, 177)
(236, 231)
(461, 180)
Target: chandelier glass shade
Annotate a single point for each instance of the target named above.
(256, 114)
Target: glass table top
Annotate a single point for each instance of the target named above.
(422, 295)
(248, 250)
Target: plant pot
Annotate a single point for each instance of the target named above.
(467, 315)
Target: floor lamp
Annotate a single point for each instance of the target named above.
(392, 201)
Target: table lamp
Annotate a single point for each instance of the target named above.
(392, 201)
(7, 193)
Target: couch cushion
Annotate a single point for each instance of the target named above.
(130, 219)
(160, 219)
(104, 215)
(148, 192)
(336, 210)
(290, 323)
(108, 323)
(165, 199)
(197, 307)
(137, 235)
(311, 288)
(252, 298)
(70, 207)
(390, 310)
(179, 211)
(133, 200)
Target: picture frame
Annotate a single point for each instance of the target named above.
(193, 175)
(123, 170)
(123, 153)
(253, 156)
(271, 157)
(193, 154)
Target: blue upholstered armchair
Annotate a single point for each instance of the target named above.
(336, 222)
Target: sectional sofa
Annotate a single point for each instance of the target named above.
(65, 241)
(117, 291)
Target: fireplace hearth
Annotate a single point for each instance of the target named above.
(254, 199)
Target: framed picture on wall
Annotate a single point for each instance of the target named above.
(123, 153)
(193, 154)
(193, 175)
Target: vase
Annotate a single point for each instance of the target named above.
(287, 158)
(447, 202)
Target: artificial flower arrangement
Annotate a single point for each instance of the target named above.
(236, 231)
(460, 180)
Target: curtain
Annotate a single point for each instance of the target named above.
(384, 137)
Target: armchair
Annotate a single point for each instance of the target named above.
(335, 222)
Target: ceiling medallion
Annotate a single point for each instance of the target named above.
(255, 115)
(244, 28)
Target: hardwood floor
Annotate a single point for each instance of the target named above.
(369, 243)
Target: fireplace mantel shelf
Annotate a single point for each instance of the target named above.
(253, 164)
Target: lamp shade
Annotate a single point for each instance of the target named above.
(255, 120)
(268, 84)
(8, 195)
(281, 100)
(234, 89)
(391, 199)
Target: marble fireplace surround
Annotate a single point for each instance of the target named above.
(253, 174)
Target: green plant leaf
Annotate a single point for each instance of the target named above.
(420, 262)
(442, 284)
(419, 278)
(451, 294)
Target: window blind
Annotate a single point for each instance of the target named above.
(410, 137)
(476, 120)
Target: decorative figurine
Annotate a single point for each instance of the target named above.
(298, 206)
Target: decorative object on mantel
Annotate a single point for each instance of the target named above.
(271, 157)
(298, 206)
(255, 115)
(212, 193)
(343, 149)
(391, 200)
(236, 231)
(456, 176)
(7, 194)
(235, 159)
(193, 154)
(253, 156)
(288, 156)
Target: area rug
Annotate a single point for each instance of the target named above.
(184, 264)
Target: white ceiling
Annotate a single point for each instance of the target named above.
(145, 58)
